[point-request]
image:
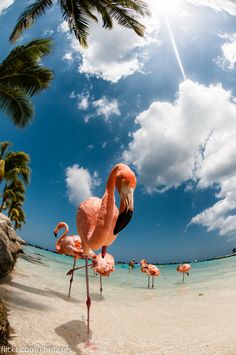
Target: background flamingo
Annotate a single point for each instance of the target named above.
(68, 245)
(99, 220)
(184, 268)
(150, 270)
(103, 266)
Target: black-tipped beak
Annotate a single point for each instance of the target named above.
(127, 206)
(55, 234)
(122, 221)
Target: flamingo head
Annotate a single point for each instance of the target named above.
(125, 185)
(58, 227)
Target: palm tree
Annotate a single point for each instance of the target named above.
(21, 77)
(14, 165)
(15, 172)
(81, 13)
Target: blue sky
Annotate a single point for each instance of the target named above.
(125, 99)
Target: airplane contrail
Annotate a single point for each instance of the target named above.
(176, 49)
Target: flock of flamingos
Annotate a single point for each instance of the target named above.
(98, 222)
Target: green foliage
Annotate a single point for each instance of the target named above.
(21, 77)
(15, 175)
(81, 13)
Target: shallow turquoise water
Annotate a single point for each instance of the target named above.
(208, 275)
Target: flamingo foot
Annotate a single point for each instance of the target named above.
(90, 345)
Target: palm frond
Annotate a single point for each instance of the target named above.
(32, 80)
(29, 16)
(78, 20)
(17, 164)
(3, 147)
(27, 54)
(123, 18)
(17, 105)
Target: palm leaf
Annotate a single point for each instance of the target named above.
(3, 147)
(29, 16)
(32, 80)
(27, 54)
(78, 20)
(16, 164)
(17, 105)
(123, 18)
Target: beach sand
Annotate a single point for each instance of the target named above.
(125, 320)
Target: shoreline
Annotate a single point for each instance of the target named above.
(160, 264)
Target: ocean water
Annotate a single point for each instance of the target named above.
(203, 276)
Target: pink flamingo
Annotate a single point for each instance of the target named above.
(99, 220)
(68, 245)
(150, 270)
(103, 266)
(184, 268)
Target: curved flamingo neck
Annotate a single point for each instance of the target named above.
(64, 234)
(111, 180)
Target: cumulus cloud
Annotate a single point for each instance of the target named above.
(80, 183)
(218, 5)
(191, 139)
(227, 59)
(106, 107)
(105, 60)
(4, 4)
(83, 101)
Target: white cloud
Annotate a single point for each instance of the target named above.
(192, 139)
(63, 27)
(80, 183)
(68, 56)
(228, 58)
(106, 107)
(105, 60)
(4, 4)
(218, 5)
(83, 101)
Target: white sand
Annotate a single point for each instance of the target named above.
(134, 321)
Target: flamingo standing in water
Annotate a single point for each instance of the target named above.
(103, 266)
(99, 220)
(150, 270)
(184, 268)
(68, 245)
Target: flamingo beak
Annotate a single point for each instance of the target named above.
(126, 209)
(55, 234)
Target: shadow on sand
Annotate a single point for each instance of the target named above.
(33, 259)
(97, 297)
(74, 333)
(42, 292)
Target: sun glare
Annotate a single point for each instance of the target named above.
(166, 7)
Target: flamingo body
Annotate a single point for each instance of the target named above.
(104, 266)
(92, 214)
(183, 268)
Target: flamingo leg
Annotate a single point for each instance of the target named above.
(183, 277)
(71, 279)
(100, 285)
(152, 281)
(88, 302)
(148, 281)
